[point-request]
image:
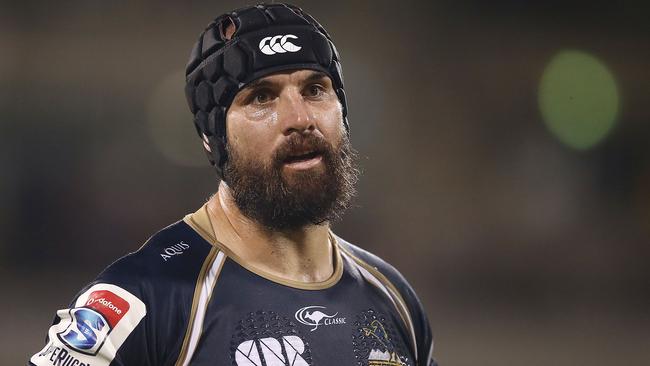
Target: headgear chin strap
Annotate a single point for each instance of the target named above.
(268, 38)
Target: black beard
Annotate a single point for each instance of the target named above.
(288, 203)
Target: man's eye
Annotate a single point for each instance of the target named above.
(315, 90)
(261, 98)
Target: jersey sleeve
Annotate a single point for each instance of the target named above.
(136, 312)
(423, 334)
(420, 321)
(102, 326)
(422, 329)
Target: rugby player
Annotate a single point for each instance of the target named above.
(255, 276)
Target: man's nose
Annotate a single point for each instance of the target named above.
(294, 114)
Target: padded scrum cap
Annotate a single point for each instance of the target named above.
(267, 38)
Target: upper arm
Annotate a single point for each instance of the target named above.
(97, 329)
(422, 328)
(419, 319)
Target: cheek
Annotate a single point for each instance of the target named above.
(331, 122)
(249, 136)
(266, 116)
(246, 124)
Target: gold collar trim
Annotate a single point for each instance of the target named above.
(201, 223)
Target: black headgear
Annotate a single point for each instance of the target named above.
(267, 38)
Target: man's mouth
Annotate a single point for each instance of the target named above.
(301, 157)
(303, 161)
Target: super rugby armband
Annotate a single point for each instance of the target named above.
(92, 331)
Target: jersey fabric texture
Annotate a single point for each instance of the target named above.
(185, 299)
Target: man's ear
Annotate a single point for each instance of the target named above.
(227, 29)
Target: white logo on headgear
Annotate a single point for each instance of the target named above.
(310, 316)
(271, 46)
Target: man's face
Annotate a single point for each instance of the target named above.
(290, 163)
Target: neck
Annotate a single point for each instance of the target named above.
(303, 255)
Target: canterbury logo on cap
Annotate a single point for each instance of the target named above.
(278, 44)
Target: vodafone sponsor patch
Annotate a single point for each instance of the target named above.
(110, 305)
(93, 331)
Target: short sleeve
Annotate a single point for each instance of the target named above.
(95, 330)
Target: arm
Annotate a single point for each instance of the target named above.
(420, 323)
(103, 326)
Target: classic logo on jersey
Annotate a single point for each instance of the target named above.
(176, 249)
(278, 44)
(273, 352)
(92, 323)
(376, 343)
(315, 316)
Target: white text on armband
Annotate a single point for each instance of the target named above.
(61, 357)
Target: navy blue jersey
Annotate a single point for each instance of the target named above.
(185, 299)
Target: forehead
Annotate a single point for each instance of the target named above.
(288, 77)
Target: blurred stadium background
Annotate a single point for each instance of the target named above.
(504, 147)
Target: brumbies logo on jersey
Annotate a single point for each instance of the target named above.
(377, 342)
(92, 323)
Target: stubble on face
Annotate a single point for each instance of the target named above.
(284, 200)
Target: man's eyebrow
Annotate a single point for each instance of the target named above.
(314, 76)
(262, 83)
(259, 83)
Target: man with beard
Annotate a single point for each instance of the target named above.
(255, 276)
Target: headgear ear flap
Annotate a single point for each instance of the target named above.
(266, 39)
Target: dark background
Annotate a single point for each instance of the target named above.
(524, 250)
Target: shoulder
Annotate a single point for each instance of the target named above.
(128, 301)
(397, 284)
(368, 259)
(174, 254)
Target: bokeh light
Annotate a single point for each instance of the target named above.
(170, 123)
(578, 98)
